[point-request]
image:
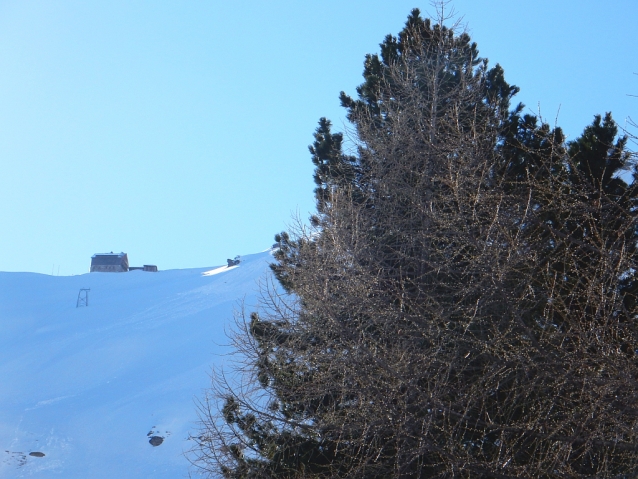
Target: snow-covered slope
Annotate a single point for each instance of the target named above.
(89, 386)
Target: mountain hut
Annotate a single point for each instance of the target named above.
(109, 263)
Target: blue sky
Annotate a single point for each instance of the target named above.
(178, 131)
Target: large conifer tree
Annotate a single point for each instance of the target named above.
(464, 303)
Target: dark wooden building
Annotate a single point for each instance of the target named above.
(109, 263)
(147, 267)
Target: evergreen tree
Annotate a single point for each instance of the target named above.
(464, 304)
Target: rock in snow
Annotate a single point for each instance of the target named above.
(82, 386)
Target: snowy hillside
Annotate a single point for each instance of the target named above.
(84, 389)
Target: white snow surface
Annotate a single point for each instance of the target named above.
(221, 269)
(89, 386)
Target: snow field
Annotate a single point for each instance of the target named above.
(89, 386)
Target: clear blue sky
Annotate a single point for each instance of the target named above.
(177, 131)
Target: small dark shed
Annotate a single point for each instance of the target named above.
(147, 267)
(109, 263)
